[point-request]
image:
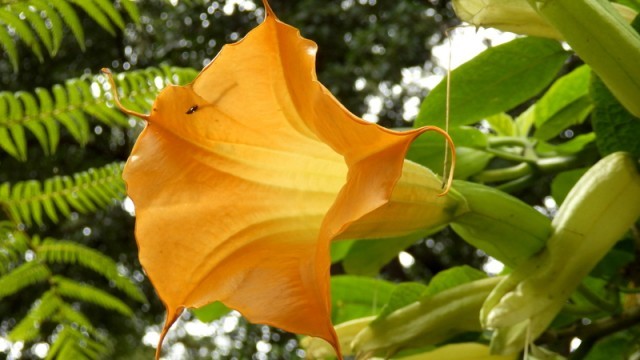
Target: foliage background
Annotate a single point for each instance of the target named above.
(370, 53)
(365, 41)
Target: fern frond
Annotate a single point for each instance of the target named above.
(71, 105)
(87, 293)
(10, 19)
(68, 315)
(67, 252)
(44, 22)
(71, 344)
(42, 310)
(85, 192)
(13, 245)
(24, 275)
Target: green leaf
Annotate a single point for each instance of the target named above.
(10, 47)
(29, 327)
(572, 114)
(502, 124)
(37, 23)
(524, 121)
(494, 81)
(71, 19)
(568, 89)
(25, 275)
(563, 182)
(407, 293)
(622, 345)
(96, 13)
(615, 127)
(366, 257)
(471, 162)
(74, 290)
(67, 252)
(340, 249)
(211, 312)
(403, 295)
(570, 147)
(453, 277)
(616, 259)
(22, 30)
(354, 297)
(132, 9)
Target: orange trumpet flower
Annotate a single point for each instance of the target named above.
(242, 179)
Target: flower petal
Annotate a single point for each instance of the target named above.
(242, 178)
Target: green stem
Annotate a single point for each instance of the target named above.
(596, 300)
(509, 141)
(517, 184)
(557, 164)
(504, 174)
(509, 156)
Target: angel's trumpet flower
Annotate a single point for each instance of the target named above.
(242, 179)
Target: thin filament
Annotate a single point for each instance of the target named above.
(446, 112)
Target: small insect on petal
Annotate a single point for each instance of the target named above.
(192, 110)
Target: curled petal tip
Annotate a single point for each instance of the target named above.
(114, 90)
(446, 185)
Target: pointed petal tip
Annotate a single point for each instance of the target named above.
(268, 10)
(172, 316)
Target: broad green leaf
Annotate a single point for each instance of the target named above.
(502, 124)
(524, 121)
(340, 249)
(453, 277)
(557, 105)
(563, 182)
(621, 345)
(403, 295)
(615, 127)
(211, 312)
(353, 297)
(573, 113)
(616, 259)
(494, 81)
(470, 162)
(366, 257)
(572, 146)
(407, 293)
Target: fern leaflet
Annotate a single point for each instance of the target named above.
(71, 105)
(87, 293)
(42, 310)
(68, 252)
(44, 22)
(13, 245)
(72, 344)
(27, 201)
(24, 275)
